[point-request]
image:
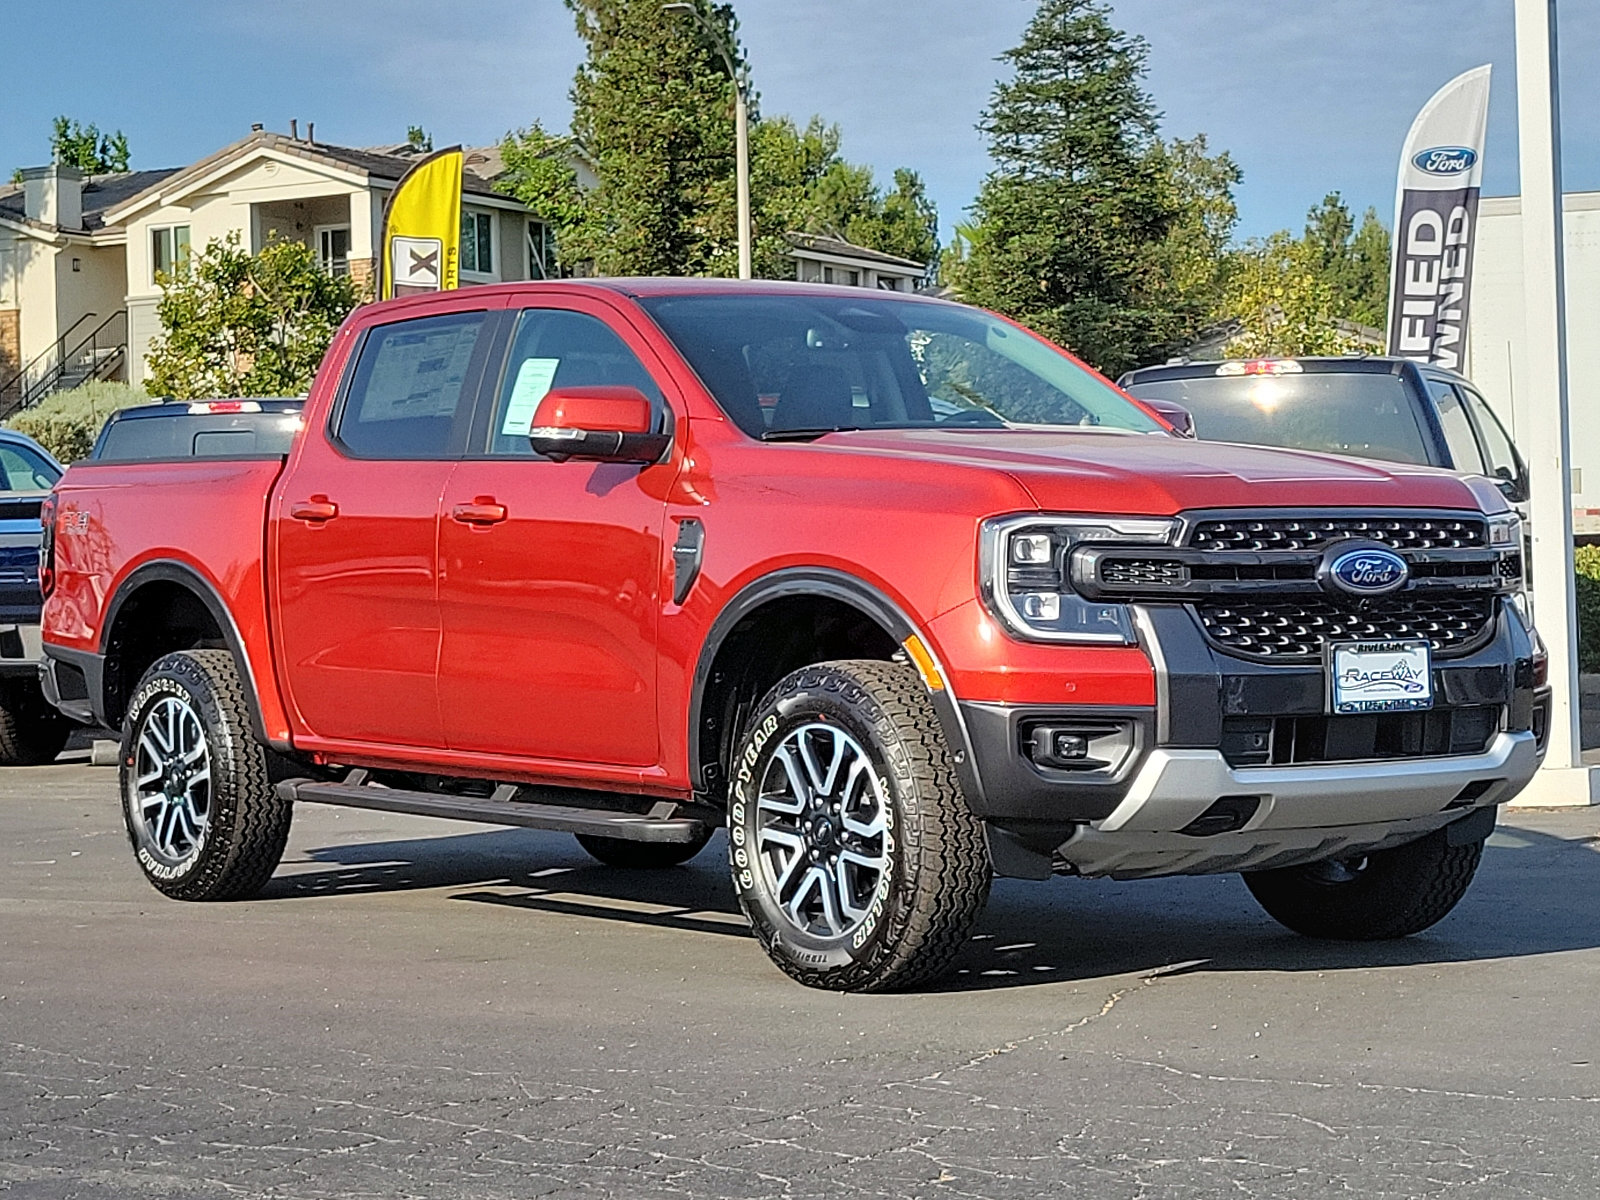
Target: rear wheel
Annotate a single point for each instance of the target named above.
(196, 795)
(643, 856)
(853, 851)
(32, 731)
(1372, 897)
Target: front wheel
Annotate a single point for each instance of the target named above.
(31, 730)
(854, 854)
(196, 793)
(1373, 897)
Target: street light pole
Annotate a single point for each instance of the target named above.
(741, 128)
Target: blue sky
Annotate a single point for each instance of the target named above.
(1308, 95)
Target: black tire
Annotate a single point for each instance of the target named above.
(914, 911)
(1387, 894)
(32, 731)
(222, 839)
(641, 856)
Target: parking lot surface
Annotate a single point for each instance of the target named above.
(425, 1009)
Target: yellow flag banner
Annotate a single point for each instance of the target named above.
(422, 228)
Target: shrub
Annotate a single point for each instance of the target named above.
(67, 423)
(1586, 562)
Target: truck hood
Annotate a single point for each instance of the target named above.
(1107, 472)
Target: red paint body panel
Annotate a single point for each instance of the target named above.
(546, 645)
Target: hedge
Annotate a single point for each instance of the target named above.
(67, 423)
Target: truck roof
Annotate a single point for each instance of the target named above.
(1343, 364)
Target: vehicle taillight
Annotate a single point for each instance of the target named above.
(47, 545)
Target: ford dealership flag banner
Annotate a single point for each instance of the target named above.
(1436, 219)
(422, 228)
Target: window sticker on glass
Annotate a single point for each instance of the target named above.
(534, 377)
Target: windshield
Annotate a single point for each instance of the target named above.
(1365, 415)
(24, 470)
(789, 365)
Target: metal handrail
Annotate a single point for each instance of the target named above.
(37, 391)
(55, 345)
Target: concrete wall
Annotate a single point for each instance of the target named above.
(1497, 337)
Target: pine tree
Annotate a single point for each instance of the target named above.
(1068, 223)
(653, 107)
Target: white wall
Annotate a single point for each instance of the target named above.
(1496, 336)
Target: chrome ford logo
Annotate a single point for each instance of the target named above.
(1446, 160)
(1368, 571)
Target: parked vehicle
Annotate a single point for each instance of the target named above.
(896, 591)
(1391, 409)
(31, 730)
(251, 427)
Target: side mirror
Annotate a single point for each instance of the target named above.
(597, 424)
(1513, 486)
(1176, 415)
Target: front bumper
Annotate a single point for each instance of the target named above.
(20, 650)
(1190, 795)
(1300, 814)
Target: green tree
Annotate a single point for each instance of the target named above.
(538, 171)
(653, 106)
(1192, 260)
(85, 147)
(1283, 300)
(1354, 261)
(1070, 219)
(800, 183)
(240, 324)
(419, 138)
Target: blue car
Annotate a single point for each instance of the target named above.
(31, 731)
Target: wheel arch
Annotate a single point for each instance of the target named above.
(177, 608)
(715, 701)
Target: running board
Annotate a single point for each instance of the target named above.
(661, 824)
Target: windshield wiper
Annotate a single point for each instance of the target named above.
(801, 435)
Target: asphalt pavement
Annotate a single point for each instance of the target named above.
(425, 1009)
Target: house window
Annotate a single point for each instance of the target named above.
(477, 242)
(541, 251)
(888, 283)
(169, 251)
(333, 249)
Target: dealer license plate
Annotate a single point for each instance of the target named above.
(1374, 677)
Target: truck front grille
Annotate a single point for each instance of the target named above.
(1296, 628)
(1400, 531)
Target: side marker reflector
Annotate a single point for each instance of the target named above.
(923, 661)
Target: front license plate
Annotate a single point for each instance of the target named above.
(1373, 677)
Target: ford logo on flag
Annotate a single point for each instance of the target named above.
(1446, 160)
(1368, 571)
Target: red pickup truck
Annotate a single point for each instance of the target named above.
(900, 594)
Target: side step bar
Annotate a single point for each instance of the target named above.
(663, 823)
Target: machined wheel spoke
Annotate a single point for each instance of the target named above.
(171, 753)
(189, 822)
(821, 829)
(791, 849)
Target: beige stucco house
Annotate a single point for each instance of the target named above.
(79, 256)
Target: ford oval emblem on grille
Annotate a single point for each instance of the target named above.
(1365, 571)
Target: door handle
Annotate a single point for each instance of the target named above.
(315, 510)
(484, 510)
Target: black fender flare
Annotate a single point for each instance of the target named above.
(169, 571)
(832, 584)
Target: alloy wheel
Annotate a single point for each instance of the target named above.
(823, 830)
(171, 801)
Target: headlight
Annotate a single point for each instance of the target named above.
(1505, 532)
(1024, 572)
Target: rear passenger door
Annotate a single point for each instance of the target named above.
(356, 532)
(549, 572)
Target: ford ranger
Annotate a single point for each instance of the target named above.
(898, 593)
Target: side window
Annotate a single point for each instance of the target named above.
(408, 387)
(1497, 447)
(1457, 426)
(558, 349)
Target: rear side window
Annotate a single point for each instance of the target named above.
(26, 471)
(411, 384)
(554, 348)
